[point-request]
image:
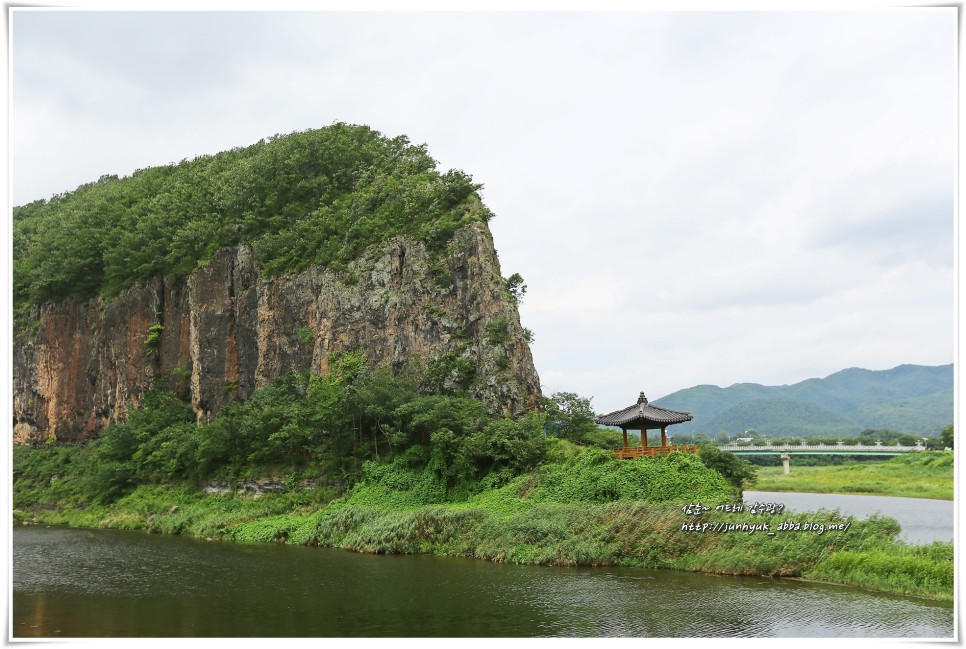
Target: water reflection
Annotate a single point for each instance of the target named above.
(77, 583)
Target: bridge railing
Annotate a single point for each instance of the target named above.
(824, 447)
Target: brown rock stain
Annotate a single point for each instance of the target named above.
(86, 365)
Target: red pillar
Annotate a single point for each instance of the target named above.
(664, 436)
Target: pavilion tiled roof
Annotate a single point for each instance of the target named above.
(643, 413)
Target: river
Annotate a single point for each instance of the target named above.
(923, 520)
(106, 583)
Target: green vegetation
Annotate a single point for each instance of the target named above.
(539, 518)
(817, 460)
(362, 458)
(924, 474)
(789, 416)
(154, 334)
(873, 436)
(323, 426)
(373, 463)
(498, 331)
(570, 417)
(868, 437)
(946, 437)
(450, 372)
(306, 335)
(739, 472)
(911, 569)
(516, 287)
(917, 400)
(327, 428)
(318, 197)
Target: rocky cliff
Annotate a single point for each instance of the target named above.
(227, 330)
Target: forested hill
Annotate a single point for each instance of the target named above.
(313, 198)
(910, 398)
(218, 275)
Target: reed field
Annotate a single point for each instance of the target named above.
(588, 511)
(917, 475)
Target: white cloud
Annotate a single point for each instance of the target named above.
(691, 197)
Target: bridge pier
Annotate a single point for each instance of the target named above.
(786, 451)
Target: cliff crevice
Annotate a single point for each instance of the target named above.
(227, 330)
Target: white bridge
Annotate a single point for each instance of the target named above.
(820, 449)
(786, 451)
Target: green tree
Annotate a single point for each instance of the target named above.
(682, 438)
(376, 398)
(702, 439)
(318, 197)
(946, 437)
(428, 414)
(887, 437)
(516, 286)
(739, 472)
(446, 423)
(569, 416)
(450, 373)
(507, 447)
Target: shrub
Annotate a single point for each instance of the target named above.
(498, 331)
(739, 472)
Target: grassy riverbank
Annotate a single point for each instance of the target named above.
(585, 510)
(917, 475)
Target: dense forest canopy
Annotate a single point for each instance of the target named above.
(317, 197)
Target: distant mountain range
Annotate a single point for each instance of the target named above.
(914, 399)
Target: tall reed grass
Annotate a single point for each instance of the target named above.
(558, 516)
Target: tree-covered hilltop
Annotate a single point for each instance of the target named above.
(316, 197)
(913, 399)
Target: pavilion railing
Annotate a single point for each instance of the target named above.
(634, 452)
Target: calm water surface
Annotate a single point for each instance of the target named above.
(923, 520)
(103, 583)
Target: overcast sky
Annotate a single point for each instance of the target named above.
(692, 198)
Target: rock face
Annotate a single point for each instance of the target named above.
(227, 329)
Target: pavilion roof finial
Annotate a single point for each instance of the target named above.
(643, 416)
